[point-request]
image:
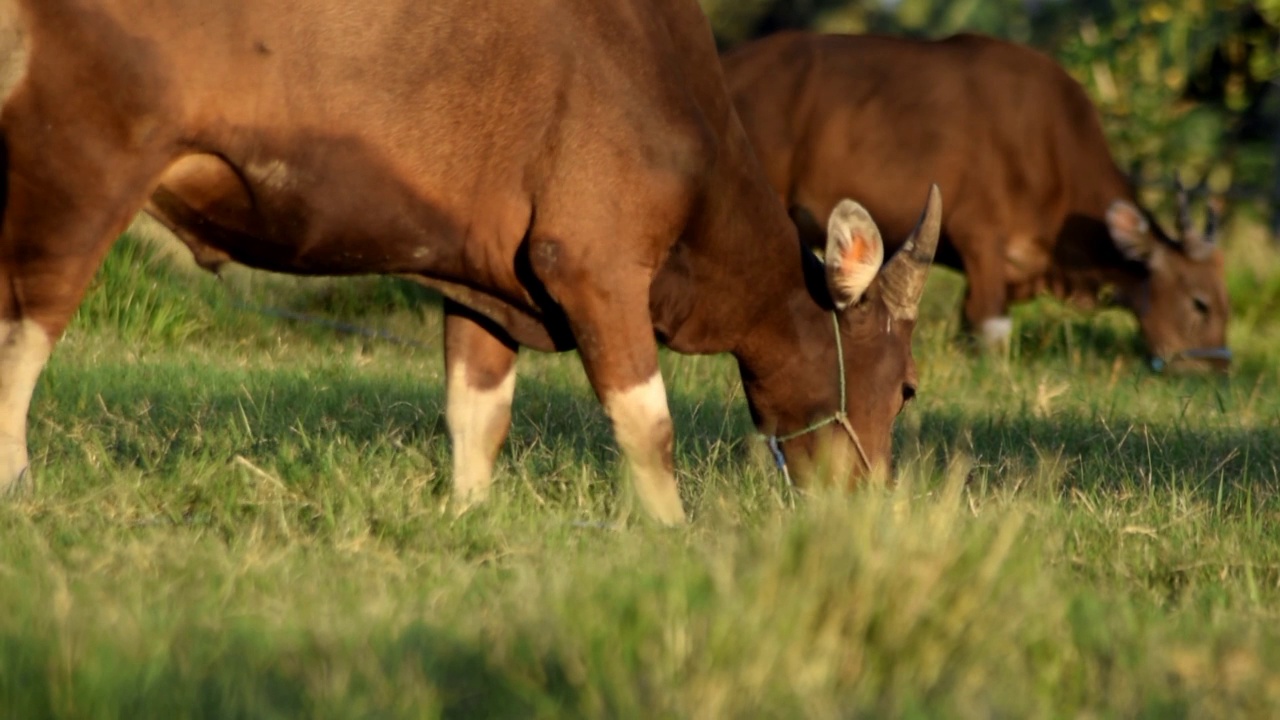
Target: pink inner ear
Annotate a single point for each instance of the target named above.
(1126, 220)
(859, 250)
(1130, 224)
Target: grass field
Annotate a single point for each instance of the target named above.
(239, 517)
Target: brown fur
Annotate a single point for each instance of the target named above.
(571, 173)
(1012, 140)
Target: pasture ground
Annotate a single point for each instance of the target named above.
(239, 517)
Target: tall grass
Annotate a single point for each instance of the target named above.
(138, 295)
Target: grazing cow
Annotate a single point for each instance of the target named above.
(1035, 201)
(571, 174)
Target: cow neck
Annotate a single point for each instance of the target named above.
(788, 360)
(1096, 263)
(736, 283)
(738, 263)
(784, 345)
(777, 306)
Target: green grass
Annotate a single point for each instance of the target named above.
(237, 516)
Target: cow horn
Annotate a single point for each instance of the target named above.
(902, 280)
(1212, 220)
(1183, 206)
(1199, 246)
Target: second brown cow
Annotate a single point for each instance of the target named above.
(1036, 201)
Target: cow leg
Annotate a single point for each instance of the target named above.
(643, 428)
(24, 350)
(608, 312)
(986, 302)
(480, 372)
(66, 196)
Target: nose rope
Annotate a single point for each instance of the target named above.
(1158, 364)
(841, 418)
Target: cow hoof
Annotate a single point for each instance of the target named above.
(15, 476)
(995, 334)
(462, 503)
(19, 485)
(669, 512)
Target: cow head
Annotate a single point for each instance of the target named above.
(1182, 303)
(861, 347)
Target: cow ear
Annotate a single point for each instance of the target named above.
(854, 253)
(1130, 231)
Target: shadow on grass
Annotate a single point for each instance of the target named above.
(158, 418)
(363, 297)
(1116, 454)
(330, 421)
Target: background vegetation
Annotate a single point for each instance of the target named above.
(238, 516)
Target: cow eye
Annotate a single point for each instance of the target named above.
(1201, 305)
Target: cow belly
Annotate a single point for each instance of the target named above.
(217, 211)
(331, 206)
(199, 197)
(285, 216)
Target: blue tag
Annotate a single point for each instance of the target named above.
(778, 458)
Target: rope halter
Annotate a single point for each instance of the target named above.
(840, 417)
(1221, 354)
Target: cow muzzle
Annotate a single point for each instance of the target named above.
(1217, 358)
(840, 417)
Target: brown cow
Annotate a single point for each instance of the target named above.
(1035, 202)
(571, 174)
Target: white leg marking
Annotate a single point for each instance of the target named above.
(642, 425)
(13, 48)
(24, 349)
(478, 420)
(997, 331)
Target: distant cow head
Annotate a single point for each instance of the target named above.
(874, 311)
(1182, 306)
